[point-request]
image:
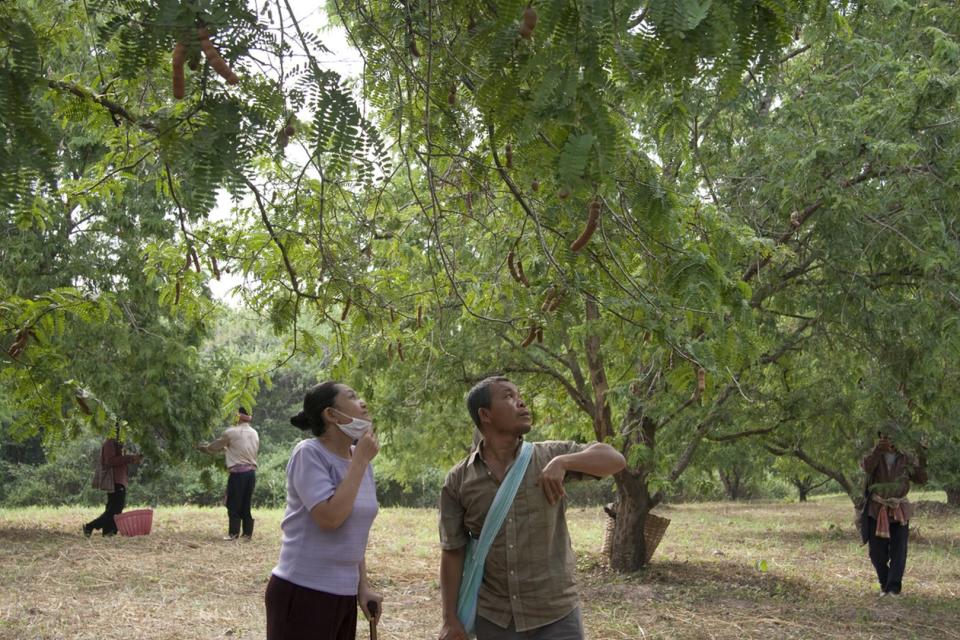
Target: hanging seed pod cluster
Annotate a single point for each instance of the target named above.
(529, 22)
(516, 269)
(212, 55)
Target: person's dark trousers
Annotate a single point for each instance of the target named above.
(239, 498)
(299, 613)
(116, 501)
(889, 555)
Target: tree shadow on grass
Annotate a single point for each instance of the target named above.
(693, 579)
(725, 598)
(922, 535)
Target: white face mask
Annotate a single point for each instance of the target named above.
(356, 427)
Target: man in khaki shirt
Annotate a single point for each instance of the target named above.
(240, 445)
(528, 588)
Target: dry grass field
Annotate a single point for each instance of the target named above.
(183, 582)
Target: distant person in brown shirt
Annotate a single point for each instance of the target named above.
(111, 476)
(889, 473)
(528, 588)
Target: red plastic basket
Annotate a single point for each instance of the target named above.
(134, 523)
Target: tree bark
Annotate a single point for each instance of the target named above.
(628, 552)
(732, 482)
(953, 496)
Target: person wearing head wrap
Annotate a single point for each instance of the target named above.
(240, 445)
(887, 511)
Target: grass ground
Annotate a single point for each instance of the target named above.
(182, 582)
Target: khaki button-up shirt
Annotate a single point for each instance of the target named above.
(529, 572)
(240, 444)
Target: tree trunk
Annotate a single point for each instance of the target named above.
(803, 487)
(628, 552)
(731, 483)
(953, 496)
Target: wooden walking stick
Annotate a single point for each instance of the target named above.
(372, 607)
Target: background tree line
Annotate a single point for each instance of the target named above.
(708, 233)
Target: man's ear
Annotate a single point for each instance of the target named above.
(484, 414)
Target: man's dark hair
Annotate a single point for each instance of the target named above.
(479, 396)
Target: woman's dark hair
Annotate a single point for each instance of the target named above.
(317, 399)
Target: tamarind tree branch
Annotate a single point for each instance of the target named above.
(598, 376)
(294, 282)
(113, 107)
(518, 196)
(780, 449)
(741, 434)
(802, 216)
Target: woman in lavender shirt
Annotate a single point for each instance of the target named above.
(331, 504)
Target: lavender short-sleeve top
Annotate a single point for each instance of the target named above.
(312, 557)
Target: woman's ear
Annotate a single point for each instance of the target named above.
(330, 415)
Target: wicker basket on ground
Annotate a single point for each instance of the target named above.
(653, 529)
(134, 523)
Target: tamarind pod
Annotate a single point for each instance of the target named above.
(413, 48)
(588, 230)
(19, 344)
(452, 96)
(346, 309)
(217, 62)
(535, 186)
(84, 407)
(530, 17)
(179, 56)
(531, 336)
(468, 199)
(513, 268)
(400, 350)
(547, 300)
(196, 260)
(523, 276)
(290, 130)
(393, 317)
(214, 267)
(509, 154)
(176, 298)
(557, 299)
(701, 380)
(389, 351)
(188, 263)
(419, 315)
(193, 59)
(540, 335)
(526, 31)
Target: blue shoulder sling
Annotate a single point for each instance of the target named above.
(477, 549)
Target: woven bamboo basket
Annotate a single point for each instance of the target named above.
(134, 523)
(653, 529)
